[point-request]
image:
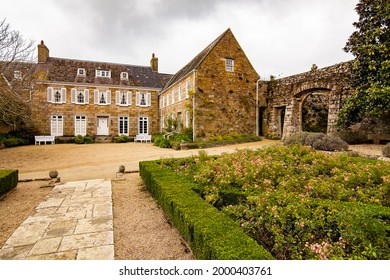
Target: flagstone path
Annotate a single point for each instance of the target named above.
(75, 222)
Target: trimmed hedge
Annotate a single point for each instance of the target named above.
(8, 180)
(210, 233)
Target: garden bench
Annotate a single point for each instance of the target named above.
(44, 138)
(378, 137)
(142, 138)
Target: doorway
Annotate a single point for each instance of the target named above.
(102, 126)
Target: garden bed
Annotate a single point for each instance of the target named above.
(295, 202)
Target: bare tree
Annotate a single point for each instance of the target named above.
(17, 68)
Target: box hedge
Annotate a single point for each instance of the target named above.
(210, 234)
(8, 180)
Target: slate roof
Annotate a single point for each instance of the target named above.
(194, 63)
(65, 70)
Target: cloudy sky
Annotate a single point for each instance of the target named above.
(280, 37)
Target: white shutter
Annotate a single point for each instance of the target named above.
(129, 96)
(117, 97)
(63, 95)
(60, 128)
(96, 96)
(148, 99)
(137, 99)
(73, 93)
(50, 94)
(108, 93)
(86, 96)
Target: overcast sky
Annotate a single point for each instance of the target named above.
(280, 37)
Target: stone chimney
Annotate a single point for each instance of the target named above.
(154, 63)
(43, 53)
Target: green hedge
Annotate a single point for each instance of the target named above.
(8, 180)
(210, 233)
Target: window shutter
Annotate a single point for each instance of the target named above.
(50, 94)
(86, 96)
(117, 97)
(96, 96)
(73, 93)
(129, 96)
(108, 92)
(149, 99)
(137, 98)
(60, 128)
(63, 95)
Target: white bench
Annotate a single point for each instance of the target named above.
(142, 138)
(46, 138)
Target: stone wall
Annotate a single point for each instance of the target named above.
(225, 102)
(286, 96)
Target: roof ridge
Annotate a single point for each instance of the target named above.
(94, 61)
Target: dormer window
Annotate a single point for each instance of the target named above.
(17, 75)
(124, 76)
(229, 65)
(103, 74)
(81, 72)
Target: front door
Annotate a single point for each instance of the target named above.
(102, 126)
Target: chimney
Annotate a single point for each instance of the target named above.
(43, 53)
(154, 63)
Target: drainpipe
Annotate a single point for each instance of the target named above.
(193, 107)
(257, 106)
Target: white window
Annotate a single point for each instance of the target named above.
(188, 87)
(56, 95)
(123, 125)
(229, 65)
(81, 72)
(79, 96)
(143, 125)
(173, 96)
(80, 125)
(124, 76)
(17, 75)
(103, 74)
(123, 98)
(143, 99)
(167, 99)
(57, 125)
(187, 119)
(179, 95)
(102, 97)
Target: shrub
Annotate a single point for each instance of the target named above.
(318, 141)
(210, 234)
(14, 142)
(329, 143)
(8, 180)
(121, 139)
(386, 150)
(83, 139)
(351, 137)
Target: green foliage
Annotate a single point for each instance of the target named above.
(14, 142)
(299, 203)
(83, 139)
(8, 180)
(210, 234)
(121, 139)
(386, 150)
(351, 137)
(318, 141)
(233, 138)
(17, 138)
(370, 44)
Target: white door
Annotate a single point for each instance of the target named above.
(102, 126)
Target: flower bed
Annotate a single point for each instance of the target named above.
(298, 203)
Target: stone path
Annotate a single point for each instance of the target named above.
(74, 223)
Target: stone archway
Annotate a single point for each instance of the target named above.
(315, 111)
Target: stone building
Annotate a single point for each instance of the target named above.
(77, 97)
(215, 93)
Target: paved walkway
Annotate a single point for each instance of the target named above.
(73, 223)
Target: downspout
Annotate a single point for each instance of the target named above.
(193, 107)
(257, 106)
